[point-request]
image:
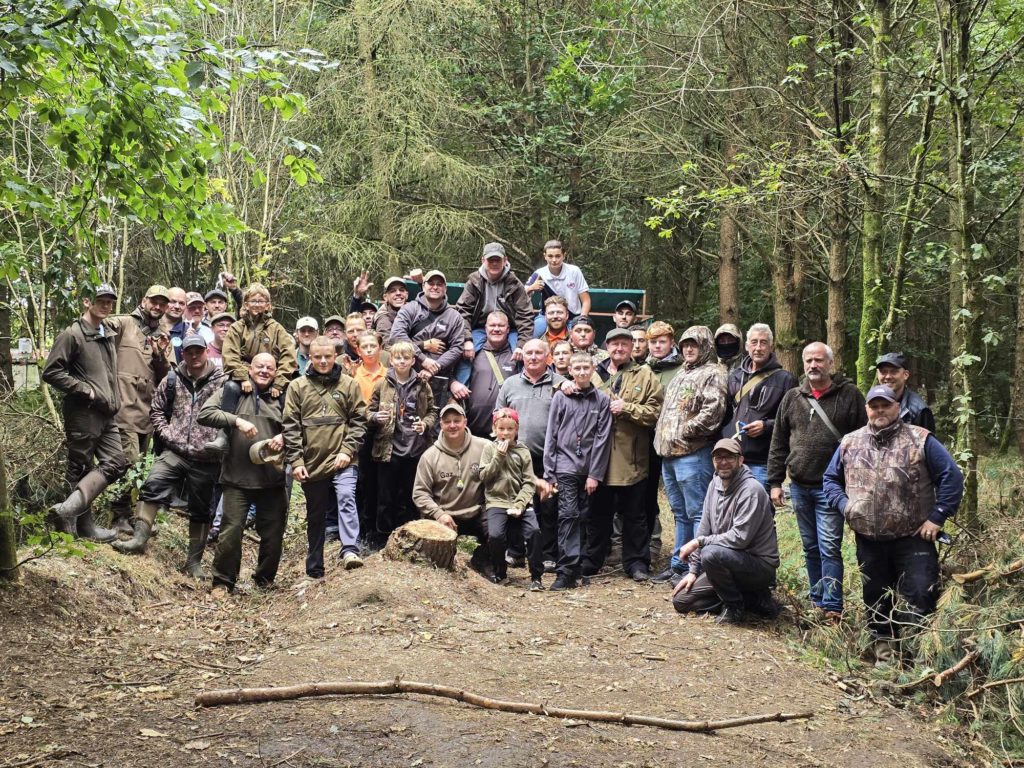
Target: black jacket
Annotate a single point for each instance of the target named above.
(759, 404)
(914, 410)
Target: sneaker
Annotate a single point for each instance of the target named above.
(731, 614)
(640, 575)
(832, 617)
(550, 566)
(536, 585)
(664, 576)
(563, 582)
(884, 652)
(212, 537)
(351, 560)
(515, 561)
(584, 581)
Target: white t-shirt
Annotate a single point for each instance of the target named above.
(569, 284)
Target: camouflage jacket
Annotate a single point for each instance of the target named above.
(695, 404)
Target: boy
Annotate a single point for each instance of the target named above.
(255, 332)
(403, 411)
(576, 453)
(506, 469)
(559, 279)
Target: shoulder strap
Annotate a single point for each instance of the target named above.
(752, 382)
(330, 400)
(494, 366)
(816, 407)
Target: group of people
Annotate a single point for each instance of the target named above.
(510, 425)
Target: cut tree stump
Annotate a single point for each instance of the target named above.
(426, 542)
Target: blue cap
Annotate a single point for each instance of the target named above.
(881, 391)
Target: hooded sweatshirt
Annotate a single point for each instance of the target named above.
(448, 480)
(802, 445)
(694, 402)
(730, 353)
(738, 517)
(416, 322)
(666, 367)
(760, 403)
(506, 294)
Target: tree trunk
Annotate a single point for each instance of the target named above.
(8, 541)
(1018, 368)
(787, 290)
(6, 363)
(873, 225)
(728, 250)
(423, 541)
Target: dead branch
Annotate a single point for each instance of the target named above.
(987, 571)
(388, 688)
(945, 674)
(994, 684)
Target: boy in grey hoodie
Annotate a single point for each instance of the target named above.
(576, 453)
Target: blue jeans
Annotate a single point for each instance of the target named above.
(686, 483)
(760, 473)
(821, 532)
(464, 369)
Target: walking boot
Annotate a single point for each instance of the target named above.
(218, 447)
(145, 516)
(64, 516)
(197, 534)
(87, 529)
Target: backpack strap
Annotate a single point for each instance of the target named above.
(752, 382)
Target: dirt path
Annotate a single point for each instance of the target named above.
(102, 659)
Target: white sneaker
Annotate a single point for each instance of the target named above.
(351, 560)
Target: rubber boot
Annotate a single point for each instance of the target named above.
(197, 533)
(87, 529)
(145, 516)
(64, 516)
(122, 522)
(218, 447)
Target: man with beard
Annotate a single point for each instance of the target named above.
(756, 387)
(556, 315)
(809, 424)
(173, 321)
(896, 485)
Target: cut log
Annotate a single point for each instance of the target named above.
(426, 542)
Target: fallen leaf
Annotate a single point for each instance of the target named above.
(149, 733)
(195, 746)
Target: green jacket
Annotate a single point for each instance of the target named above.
(324, 416)
(247, 338)
(509, 482)
(140, 368)
(83, 360)
(260, 409)
(639, 387)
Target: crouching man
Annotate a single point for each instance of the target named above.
(735, 555)
(184, 459)
(324, 425)
(253, 419)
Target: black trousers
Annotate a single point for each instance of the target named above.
(271, 516)
(395, 479)
(547, 520)
(728, 576)
(907, 567)
(93, 442)
(503, 530)
(573, 511)
(173, 476)
(628, 501)
(366, 492)
(651, 489)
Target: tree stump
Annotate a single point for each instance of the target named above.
(423, 541)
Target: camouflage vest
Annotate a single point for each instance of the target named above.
(887, 481)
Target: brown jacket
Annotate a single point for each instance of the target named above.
(82, 361)
(385, 396)
(248, 337)
(140, 368)
(639, 387)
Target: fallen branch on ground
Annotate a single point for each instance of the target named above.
(994, 684)
(387, 688)
(987, 572)
(938, 679)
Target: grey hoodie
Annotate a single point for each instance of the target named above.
(579, 435)
(738, 517)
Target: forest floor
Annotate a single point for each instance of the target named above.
(102, 657)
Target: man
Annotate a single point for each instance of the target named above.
(448, 488)
(756, 387)
(324, 425)
(735, 555)
(728, 345)
(173, 321)
(494, 287)
(530, 393)
(896, 485)
(809, 424)
(216, 303)
(582, 334)
(490, 368)
(143, 359)
(195, 316)
(436, 329)
(641, 349)
(82, 364)
(687, 428)
(635, 401)
(558, 278)
(892, 371)
(185, 460)
(334, 329)
(253, 418)
(306, 329)
(395, 295)
(624, 315)
(556, 315)
(219, 324)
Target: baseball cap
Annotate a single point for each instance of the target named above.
(104, 289)
(334, 319)
(156, 292)
(307, 322)
(494, 250)
(728, 444)
(193, 340)
(367, 305)
(505, 413)
(215, 293)
(194, 297)
(434, 273)
(260, 452)
(583, 320)
(452, 407)
(618, 333)
(394, 280)
(222, 316)
(626, 303)
(895, 359)
(883, 391)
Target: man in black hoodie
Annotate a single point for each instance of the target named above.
(755, 390)
(810, 422)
